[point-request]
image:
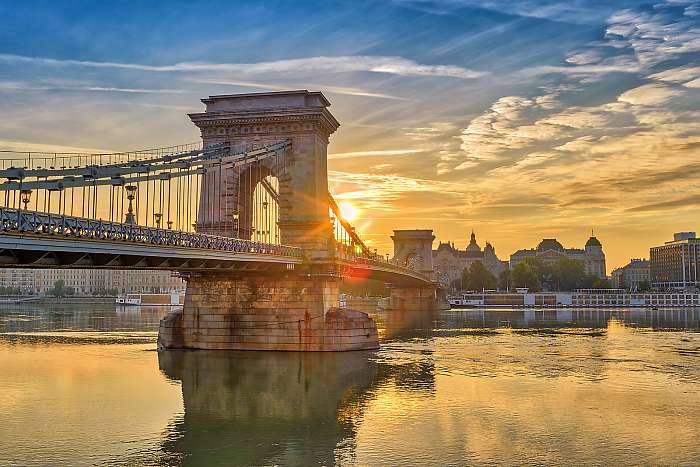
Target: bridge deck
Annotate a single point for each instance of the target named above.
(34, 239)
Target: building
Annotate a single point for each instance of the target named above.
(449, 262)
(632, 275)
(91, 281)
(549, 250)
(674, 265)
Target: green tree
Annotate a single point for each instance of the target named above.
(590, 281)
(567, 274)
(477, 277)
(644, 286)
(504, 280)
(59, 289)
(525, 274)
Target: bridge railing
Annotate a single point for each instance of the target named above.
(363, 257)
(39, 223)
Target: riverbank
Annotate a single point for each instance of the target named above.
(46, 300)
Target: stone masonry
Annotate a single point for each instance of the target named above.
(266, 313)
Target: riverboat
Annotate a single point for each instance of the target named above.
(144, 299)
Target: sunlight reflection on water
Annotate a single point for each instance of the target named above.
(451, 388)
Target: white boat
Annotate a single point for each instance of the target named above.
(152, 299)
(466, 301)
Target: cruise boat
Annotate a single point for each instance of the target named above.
(466, 301)
(151, 299)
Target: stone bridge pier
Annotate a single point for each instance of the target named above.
(294, 309)
(266, 313)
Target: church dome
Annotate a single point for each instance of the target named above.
(593, 242)
(473, 246)
(549, 244)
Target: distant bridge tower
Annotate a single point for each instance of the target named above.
(255, 120)
(414, 248)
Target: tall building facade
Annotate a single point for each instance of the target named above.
(91, 281)
(632, 275)
(549, 250)
(674, 265)
(449, 262)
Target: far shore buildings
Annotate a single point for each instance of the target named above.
(632, 276)
(549, 250)
(674, 265)
(91, 281)
(449, 262)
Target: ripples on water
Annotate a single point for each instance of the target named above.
(85, 387)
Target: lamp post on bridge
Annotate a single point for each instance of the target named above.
(130, 217)
(158, 217)
(26, 196)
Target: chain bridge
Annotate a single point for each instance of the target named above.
(245, 216)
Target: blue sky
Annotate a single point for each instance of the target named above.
(520, 119)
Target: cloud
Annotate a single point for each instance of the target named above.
(18, 86)
(613, 65)
(382, 153)
(20, 147)
(635, 40)
(649, 95)
(341, 64)
(678, 75)
(510, 123)
(574, 11)
(285, 87)
(688, 201)
(654, 36)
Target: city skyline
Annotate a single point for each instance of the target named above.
(465, 114)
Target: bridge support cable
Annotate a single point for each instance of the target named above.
(182, 188)
(349, 242)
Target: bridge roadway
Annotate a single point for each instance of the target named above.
(35, 239)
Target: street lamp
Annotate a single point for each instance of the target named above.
(158, 216)
(130, 217)
(26, 196)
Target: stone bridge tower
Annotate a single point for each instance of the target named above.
(414, 248)
(297, 309)
(249, 121)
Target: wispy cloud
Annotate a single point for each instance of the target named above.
(382, 153)
(26, 146)
(16, 86)
(353, 63)
(283, 87)
(649, 94)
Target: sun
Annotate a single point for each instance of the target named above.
(348, 211)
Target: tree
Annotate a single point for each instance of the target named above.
(590, 281)
(568, 274)
(477, 277)
(644, 286)
(504, 280)
(59, 289)
(524, 274)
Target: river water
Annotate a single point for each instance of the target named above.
(575, 387)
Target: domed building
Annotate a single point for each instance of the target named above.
(449, 262)
(549, 250)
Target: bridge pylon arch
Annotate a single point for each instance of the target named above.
(254, 120)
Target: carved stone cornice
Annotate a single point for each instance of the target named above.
(267, 121)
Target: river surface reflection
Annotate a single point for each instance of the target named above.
(86, 387)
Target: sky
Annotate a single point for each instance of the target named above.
(518, 119)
